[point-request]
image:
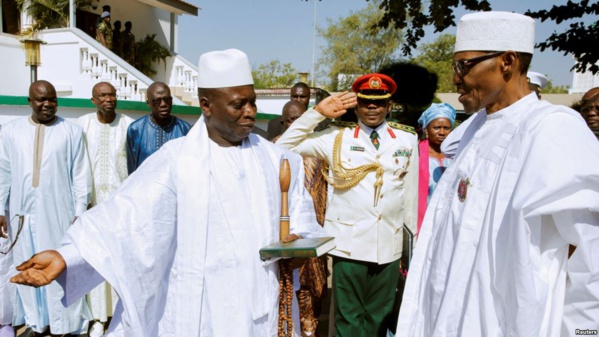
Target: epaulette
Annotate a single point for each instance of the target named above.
(402, 127)
(343, 124)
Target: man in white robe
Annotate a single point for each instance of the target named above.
(7, 289)
(105, 133)
(492, 254)
(184, 231)
(44, 168)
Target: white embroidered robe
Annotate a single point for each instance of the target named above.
(106, 147)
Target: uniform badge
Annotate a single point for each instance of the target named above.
(403, 152)
(374, 82)
(463, 189)
(356, 148)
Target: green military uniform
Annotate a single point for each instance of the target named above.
(105, 29)
(129, 47)
(117, 43)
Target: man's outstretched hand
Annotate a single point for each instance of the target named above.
(41, 269)
(337, 104)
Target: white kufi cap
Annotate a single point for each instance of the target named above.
(224, 69)
(537, 78)
(495, 31)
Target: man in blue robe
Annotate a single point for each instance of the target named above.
(147, 134)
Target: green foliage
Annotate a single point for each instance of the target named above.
(147, 52)
(410, 16)
(551, 89)
(50, 13)
(356, 46)
(437, 57)
(274, 74)
(580, 40)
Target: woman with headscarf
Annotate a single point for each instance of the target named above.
(437, 122)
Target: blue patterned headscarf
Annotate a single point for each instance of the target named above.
(437, 110)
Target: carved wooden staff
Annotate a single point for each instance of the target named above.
(285, 269)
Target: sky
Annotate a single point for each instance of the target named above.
(284, 30)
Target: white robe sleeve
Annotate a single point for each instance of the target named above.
(79, 278)
(302, 216)
(566, 201)
(82, 178)
(130, 240)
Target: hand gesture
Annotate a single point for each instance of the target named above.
(3, 227)
(336, 105)
(41, 269)
(292, 237)
(295, 262)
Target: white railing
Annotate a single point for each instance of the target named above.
(96, 63)
(185, 76)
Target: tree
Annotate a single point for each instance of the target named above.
(50, 13)
(409, 16)
(147, 52)
(580, 40)
(437, 57)
(355, 46)
(551, 89)
(274, 74)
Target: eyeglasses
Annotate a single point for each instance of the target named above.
(587, 109)
(461, 67)
(20, 228)
(166, 99)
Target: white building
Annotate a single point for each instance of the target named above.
(583, 82)
(74, 61)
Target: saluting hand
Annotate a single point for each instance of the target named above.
(336, 105)
(41, 269)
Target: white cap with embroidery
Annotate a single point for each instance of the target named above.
(224, 69)
(495, 31)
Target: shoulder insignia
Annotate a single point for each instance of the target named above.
(402, 127)
(343, 124)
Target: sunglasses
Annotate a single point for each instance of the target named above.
(166, 99)
(461, 67)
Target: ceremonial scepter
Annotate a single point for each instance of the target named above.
(285, 269)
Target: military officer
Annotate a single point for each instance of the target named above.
(373, 173)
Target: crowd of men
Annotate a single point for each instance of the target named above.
(508, 246)
(54, 170)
